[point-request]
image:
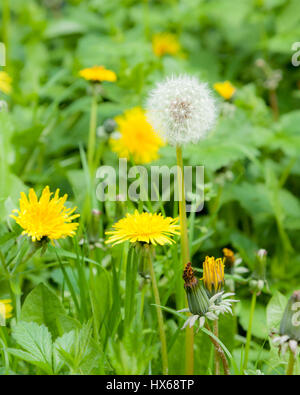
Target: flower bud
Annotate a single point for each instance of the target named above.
(3, 106)
(258, 277)
(197, 298)
(5, 310)
(96, 212)
(143, 250)
(290, 323)
(109, 125)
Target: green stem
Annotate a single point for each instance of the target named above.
(160, 319)
(34, 249)
(220, 352)
(182, 210)
(68, 282)
(5, 26)
(249, 332)
(189, 345)
(15, 297)
(217, 360)
(92, 131)
(291, 363)
(146, 19)
(7, 273)
(274, 104)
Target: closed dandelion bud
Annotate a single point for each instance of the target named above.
(258, 279)
(5, 310)
(213, 275)
(198, 300)
(290, 323)
(96, 212)
(143, 251)
(3, 106)
(261, 258)
(109, 126)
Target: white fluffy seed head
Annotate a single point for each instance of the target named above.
(182, 109)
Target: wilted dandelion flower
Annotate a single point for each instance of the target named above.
(200, 305)
(165, 44)
(144, 228)
(5, 83)
(225, 89)
(182, 109)
(98, 74)
(5, 309)
(47, 218)
(137, 139)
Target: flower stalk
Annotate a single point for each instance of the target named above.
(92, 130)
(217, 360)
(6, 26)
(189, 354)
(291, 364)
(160, 319)
(220, 353)
(249, 331)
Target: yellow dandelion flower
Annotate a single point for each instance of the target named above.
(5, 309)
(138, 140)
(5, 82)
(225, 89)
(47, 217)
(165, 44)
(145, 228)
(229, 256)
(98, 74)
(213, 274)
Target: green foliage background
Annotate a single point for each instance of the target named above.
(101, 320)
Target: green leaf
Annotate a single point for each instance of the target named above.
(78, 350)
(275, 310)
(259, 324)
(36, 342)
(43, 307)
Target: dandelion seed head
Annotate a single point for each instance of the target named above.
(182, 109)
